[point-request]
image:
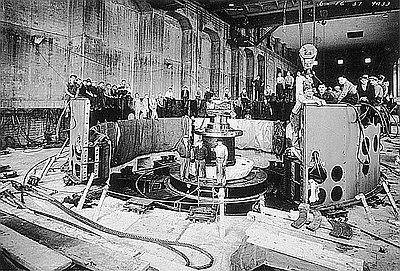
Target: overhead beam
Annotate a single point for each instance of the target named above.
(334, 12)
(266, 35)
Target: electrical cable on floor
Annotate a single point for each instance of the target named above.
(37, 212)
(165, 243)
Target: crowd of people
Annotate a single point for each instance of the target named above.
(111, 102)
(279, 102)
(370, 92)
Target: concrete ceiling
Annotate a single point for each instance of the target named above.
(261, 13)
(380, 29)
(340, 17)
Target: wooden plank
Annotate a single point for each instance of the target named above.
(321, 234)
(85, 192)
(30, 254)
(292, 215)
(249, 256)
(273, 238)
(7, 263)
(99, 255)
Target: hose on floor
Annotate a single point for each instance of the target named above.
(164, 243)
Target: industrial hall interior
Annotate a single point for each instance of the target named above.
(215, 135)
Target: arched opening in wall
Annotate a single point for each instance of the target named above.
(259, 87)
(249, 72)
(185, 49)
(215, 60)
(172, 64)
(204, 62)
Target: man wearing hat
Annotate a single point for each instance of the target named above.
(169, 94)
(184, 150)
(362, 88)
(348, 93)
(197, 104)
(221, 157)
(324, 94)
(185, 98)
(375, 94)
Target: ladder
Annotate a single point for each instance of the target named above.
(206, 189)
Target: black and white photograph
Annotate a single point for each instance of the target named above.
(215, 135)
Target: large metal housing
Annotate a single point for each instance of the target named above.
(349, 155)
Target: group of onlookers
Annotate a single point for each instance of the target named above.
(113, 102)
(370, 91)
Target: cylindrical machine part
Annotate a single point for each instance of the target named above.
(218, 124)
(219, 129)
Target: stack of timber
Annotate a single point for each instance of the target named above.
(271, 241)
(103, 256)
(29, 253)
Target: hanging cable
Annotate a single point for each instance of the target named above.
(361, 138)
(314, 37)
(51, 66)
(300, 23)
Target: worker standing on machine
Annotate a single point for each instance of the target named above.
(200, 154)
(221, 154)
(307, 98)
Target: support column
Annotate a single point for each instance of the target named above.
(235, 72)
(396, 78)
(215, 60)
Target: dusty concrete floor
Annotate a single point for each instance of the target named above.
(174, 226)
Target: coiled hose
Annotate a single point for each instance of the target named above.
(164, 243)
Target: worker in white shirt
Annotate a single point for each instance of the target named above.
(221, 154)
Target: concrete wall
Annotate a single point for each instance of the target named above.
(272, 62)
(31, 73)
(111, 40)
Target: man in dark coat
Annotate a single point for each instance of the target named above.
(348, 91)
(325, 94)
(200, 154)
